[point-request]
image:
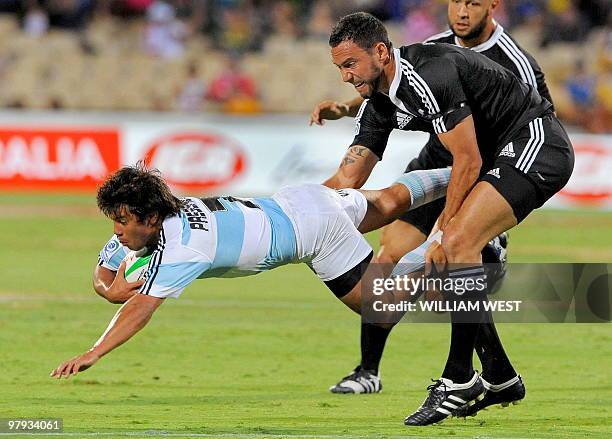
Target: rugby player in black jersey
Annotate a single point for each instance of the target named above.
(471, 24)
(509, 152)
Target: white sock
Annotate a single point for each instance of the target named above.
(425, 185)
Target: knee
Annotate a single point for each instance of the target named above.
(390, 204)
(388, 254)
(392, 246)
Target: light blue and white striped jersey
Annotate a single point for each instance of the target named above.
(213, 237)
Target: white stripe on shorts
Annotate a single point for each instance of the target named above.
(536, 130)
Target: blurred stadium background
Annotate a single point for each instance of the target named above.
(246, 56)
(216, 93)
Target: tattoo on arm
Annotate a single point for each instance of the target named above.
(352, 154)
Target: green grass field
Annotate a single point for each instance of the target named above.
(254, 357)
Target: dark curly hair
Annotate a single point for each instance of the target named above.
(362, 28)
(140, 191)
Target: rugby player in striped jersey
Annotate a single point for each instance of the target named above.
(194, 238)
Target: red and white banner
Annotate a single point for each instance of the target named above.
(244, 156)
(197, 161)
(58, 158)
(591, 182)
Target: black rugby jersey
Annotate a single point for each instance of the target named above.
(505, 51)
(436, 86)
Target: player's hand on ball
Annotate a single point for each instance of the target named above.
(121, 290)
(328, 110)
(75, 365)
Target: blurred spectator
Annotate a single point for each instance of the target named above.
(284, 20)
(234, 90)
(194, 13)
(564, 23)
(35, 21)
(69, 14)
(595, 11)
(164, 34)
(11, 6)
(126, 8)
(235, 33)
(191, 95)
(320, 21)
(588, 111)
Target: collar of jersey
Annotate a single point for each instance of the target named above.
(396, 82)
(489, 43)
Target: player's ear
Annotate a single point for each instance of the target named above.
(383, 52)
(153, 220)
(494, 4)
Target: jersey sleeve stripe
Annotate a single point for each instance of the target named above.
(154, 264)
(421, 87)
(439, 125)
(519, 59)
(358, 116)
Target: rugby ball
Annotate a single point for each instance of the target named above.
(136, 263)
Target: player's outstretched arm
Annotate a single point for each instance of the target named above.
(130, 319)
(332, 110)
(112, 284)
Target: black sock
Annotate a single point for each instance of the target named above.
(464, 324)
(459, 367)
(373, 340)
(496, 366)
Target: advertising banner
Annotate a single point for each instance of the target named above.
(244, 156)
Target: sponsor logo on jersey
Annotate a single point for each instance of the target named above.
(342, 192)
(197, 161)
(494, 172)
(403, 120)
(109, 249)
(508, 151)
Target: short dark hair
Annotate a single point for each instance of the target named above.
(139, 190)
(362, 28)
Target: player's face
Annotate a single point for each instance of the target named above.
(133, 233)
(468, 18)
(361, 68)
